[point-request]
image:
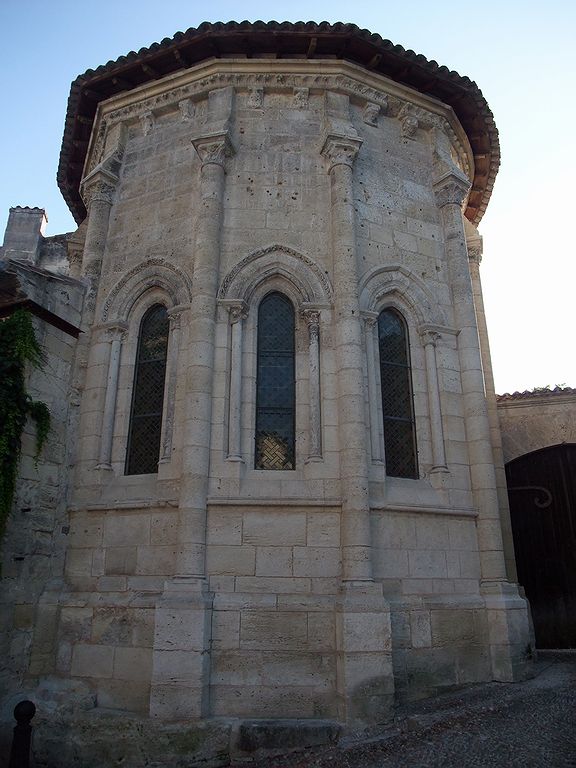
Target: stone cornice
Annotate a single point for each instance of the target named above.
(378, 59)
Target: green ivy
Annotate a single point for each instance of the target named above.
(18, 347)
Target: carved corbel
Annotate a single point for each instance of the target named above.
(256, 98)
(186, 109)
(301, 96)
(148, 120)
(370, 113)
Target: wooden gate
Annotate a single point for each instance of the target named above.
(542, 493)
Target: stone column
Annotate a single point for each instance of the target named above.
(340, 153)
(181, 657)
(474, 259)
(507, 615)
(174, 316)
(116, 335)
(363, 616)
(374, 393)
(98, 190)
(237, 313)
(430, 339)
(312, 318)
(98, 194)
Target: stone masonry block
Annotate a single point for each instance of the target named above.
(225, 629)
(133, 664)
(273, 630)
(92, 661)
(316, 561)
(274, 561)
(323, 529)
(126, 695)
(179, 629)
(420, 629)
(236, 561)
(121, 529)
(452, 627)
(120, 560)
(284, 528)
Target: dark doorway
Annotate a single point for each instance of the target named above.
(542, 493)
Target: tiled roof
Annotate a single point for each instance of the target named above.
(301, 39)
(542, 392)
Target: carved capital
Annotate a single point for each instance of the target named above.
(237, 311)
(312, 319)
(475, 254)
(451, 189)
(174, 316)
(98, 190)
(370, 319)
(115, 332)
(340, 150)
(214, 148)
(429, 336)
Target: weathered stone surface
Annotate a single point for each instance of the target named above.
(205, 587)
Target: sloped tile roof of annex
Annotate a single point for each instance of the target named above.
(539, 392)
(301, 39)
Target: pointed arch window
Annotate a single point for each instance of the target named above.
(275, 384)
(145, 427)
(397, 401)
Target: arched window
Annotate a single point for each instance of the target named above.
(148, 393)
(275, 385)
(397, 406)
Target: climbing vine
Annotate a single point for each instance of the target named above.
(18, 347)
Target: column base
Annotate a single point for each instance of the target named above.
(364, 642)
(512, 651)
(181, 653)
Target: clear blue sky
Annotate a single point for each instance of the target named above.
(521, 54)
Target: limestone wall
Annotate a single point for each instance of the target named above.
(211, 588)
(34, 546)
(533, 420)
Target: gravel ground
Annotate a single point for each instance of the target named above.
(526, 725)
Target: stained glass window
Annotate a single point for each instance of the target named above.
(275, 385)
(148, 394)
(397, 405)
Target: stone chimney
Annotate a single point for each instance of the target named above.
(24, 233)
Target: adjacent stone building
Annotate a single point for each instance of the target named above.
(280, 490)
